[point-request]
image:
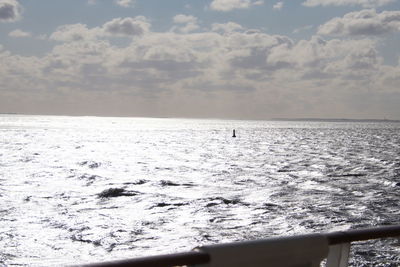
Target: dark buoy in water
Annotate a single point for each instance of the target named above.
(234, 133)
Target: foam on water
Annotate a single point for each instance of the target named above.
(84, 189)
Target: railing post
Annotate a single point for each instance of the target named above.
(338, 255)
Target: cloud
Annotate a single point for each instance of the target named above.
(304, 28)
(19, 34)
(189, 23)
(184, 19)
(229, 5)
(363, 3)
(10, 10)
(227, 55)
(364, 22)
(226, 27)
(278, 5)
(75, 32)
(319, 54)
(127, 26)
(226, 71)
(330, 57)
(125, 3)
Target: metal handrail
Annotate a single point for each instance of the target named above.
(199, 257)
(362, 234)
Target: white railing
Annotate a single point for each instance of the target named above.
(302, 250)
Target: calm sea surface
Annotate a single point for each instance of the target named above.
(86, 189)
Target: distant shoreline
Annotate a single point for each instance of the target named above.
(334, 120)
(195, 118)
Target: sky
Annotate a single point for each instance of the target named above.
(236, 59)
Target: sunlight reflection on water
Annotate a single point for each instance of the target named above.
(180, 183)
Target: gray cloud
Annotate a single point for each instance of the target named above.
(364, 22)
(10, 10)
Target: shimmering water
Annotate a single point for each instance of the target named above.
(86, 189)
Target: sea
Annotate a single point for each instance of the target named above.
(76, 190)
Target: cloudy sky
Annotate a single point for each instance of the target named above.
(244, 59)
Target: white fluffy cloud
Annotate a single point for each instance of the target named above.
(228, 5)
(184, 19)
(125, 3)
(226, 27)
(364, 22)
(19, 34)
(127, 26)
(10, 10)
(363, 3)
(189, 23)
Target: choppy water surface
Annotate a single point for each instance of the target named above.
(84, 189)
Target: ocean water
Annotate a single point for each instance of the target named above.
(87, 189)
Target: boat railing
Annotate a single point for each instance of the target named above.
(301, 250)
